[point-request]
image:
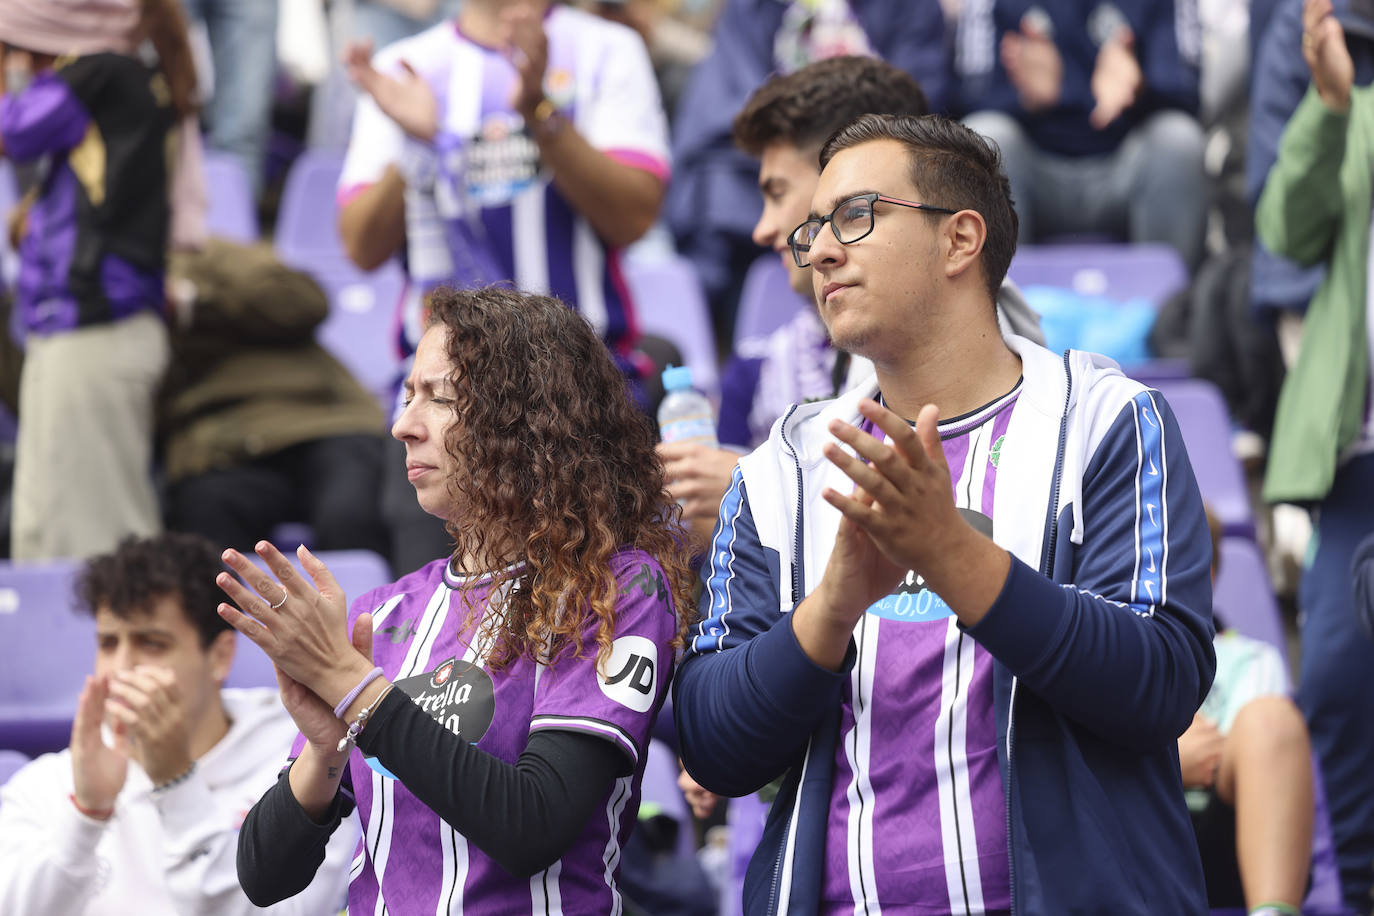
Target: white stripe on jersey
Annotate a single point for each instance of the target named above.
(571, 723)
(546, 898)
(529, 237)
(589, 268)
(379, 825)
(859, 793)
(615, 807)
(381, 820)
(962, 875)
(455, 849)
(383, 612)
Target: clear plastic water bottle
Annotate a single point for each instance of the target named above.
(685, 415)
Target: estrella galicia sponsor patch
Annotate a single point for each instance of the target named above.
(912, 601)
(631, 673)
(458, 694)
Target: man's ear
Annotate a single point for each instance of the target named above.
(965, 233)
(221, 653)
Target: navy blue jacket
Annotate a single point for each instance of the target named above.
(1170, 70)
(1102, 639)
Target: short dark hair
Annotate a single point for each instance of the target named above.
(806, 107)
(952, 167)
(141, 570)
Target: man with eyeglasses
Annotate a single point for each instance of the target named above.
(783, 124)
(962, 610)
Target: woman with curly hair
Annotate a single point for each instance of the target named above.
(488, 716)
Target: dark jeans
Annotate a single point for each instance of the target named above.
(329, 484)
(1336, 683)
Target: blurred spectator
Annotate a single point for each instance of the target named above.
(381, 22)
(1094, 107)
(526, 145)
(260, 424)
(677, 33)
(91, 249)
(149, 822)
(713, 202)
(243, 45)
(1247, 768)
(1316, 208)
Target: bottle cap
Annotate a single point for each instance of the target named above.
(677, 378)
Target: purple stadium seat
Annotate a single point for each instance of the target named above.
(670, 303)
(357, 571)
(746, 817)
(10, 763)
(1118, 271)
(9, 196)
(49, 649)
(766, 301)
(232, 214)
(361, 328)
(307, 221)
(659, 787)
(1154, 371)
(1244, 597)
(1206, 429)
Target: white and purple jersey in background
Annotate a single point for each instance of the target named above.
(480, 206)
(918, 818)
(425, 639)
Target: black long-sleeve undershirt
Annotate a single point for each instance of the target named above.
(525, 815)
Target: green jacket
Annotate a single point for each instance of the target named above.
(1316, 208)
(247, 378)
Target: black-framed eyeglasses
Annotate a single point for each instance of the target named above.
(850, 221)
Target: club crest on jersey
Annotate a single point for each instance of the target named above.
(912, 601)
(630, 675)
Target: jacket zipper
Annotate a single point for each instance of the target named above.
(1047, 569)
(796, 598)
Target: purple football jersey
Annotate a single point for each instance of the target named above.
(426, 640)
(919, 822)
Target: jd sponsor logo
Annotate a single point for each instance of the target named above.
(912, 601)
(631, 673)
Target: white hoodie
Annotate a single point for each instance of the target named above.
(170, 854)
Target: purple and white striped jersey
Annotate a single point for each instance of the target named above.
(425, 639)
(918, 820)
(480, 205)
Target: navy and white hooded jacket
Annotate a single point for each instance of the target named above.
(1101, 636)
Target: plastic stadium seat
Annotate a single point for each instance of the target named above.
(1117, 271)
(50, 649)
(357, 571)
(361, 328)
(766, 302)
(670, 303)
(9, 196)
(1206, 429)
(232, 214)
(307, 221)
(1244, 597)
(10, 762)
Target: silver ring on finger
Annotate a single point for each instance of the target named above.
(284, 594)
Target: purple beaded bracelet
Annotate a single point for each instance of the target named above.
(353, 694)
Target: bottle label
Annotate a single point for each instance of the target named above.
(700, 428)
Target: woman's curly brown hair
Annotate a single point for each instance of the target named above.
(556, 471)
